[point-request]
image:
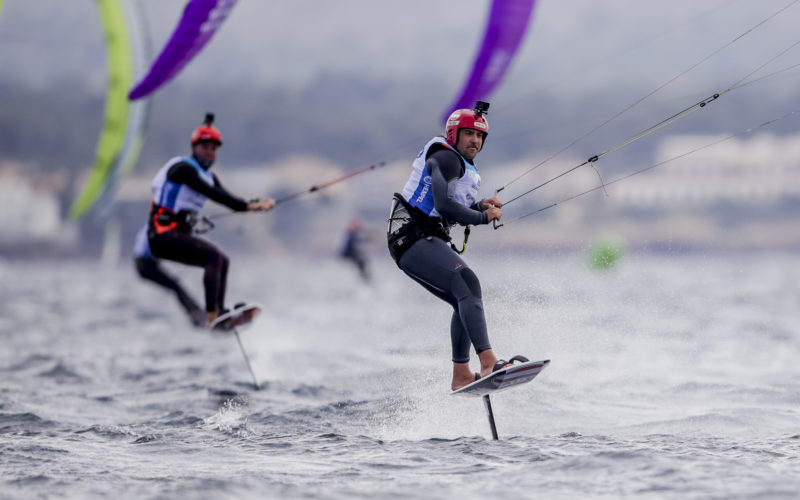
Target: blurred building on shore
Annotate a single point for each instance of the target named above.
(738, 194)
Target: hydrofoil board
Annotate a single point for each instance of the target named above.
(240, 315)
(501, 380)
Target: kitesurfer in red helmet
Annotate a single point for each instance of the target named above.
(180, 189)
(440, 193)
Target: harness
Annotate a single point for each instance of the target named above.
(162, 219)
(176, 206)
(409, 224)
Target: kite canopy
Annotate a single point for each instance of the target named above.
(200, 20)
(112, 137)
(507, 24)
(123, 131)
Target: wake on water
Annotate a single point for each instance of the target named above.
(672, 376)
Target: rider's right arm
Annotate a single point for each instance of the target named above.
(446, 170)
(183, 173)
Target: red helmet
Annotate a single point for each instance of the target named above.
(465, 118)
(207, 132)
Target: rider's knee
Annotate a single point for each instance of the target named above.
(470, 282)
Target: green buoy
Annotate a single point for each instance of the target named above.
(604, 253)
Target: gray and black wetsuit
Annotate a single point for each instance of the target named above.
(431, 262)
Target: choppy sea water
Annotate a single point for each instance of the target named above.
(672, 376)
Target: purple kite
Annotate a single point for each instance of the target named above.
(508, 21)
(200, 21)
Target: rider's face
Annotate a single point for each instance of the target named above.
(470, 142)
(207, 150)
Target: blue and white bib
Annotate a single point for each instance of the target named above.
(177, 197)
(419, 192)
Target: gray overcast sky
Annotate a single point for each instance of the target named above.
(291, 42)
(603, 55)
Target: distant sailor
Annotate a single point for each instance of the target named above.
(180, 189)
(352, 247)
(150, 269)
(441, 192)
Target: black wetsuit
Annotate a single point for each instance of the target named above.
(180, 245)
(149, 269)
(432, 263)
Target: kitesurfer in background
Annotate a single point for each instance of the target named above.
(440, 193)
(180, 189)
(352, 248)
(150, 269)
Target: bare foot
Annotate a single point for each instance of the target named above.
(457, 384)
(462, 376)
(488, 360)
(211, 316)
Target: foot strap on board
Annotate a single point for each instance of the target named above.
(501, 363)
